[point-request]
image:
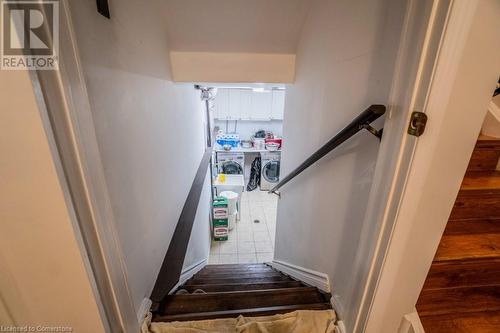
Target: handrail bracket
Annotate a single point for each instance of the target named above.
(278, 193)
(372, 130)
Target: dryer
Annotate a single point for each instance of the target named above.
(230, 163)
(270, 170)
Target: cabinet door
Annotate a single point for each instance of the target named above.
(234, 104)
(221, 104)
(246, 104)
(278, 104)
(261, 105)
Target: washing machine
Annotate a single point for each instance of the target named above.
(230, 163)
(270, 172)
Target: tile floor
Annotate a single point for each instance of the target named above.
(249, 242)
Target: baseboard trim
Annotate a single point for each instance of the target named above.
(494, 110)
(340, 327)
(308, 276)
(411, 323)
(337, 306)
(188, 272)
(143, 310)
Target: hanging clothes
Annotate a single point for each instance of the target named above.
(254, 180)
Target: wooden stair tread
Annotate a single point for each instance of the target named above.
(463, 273)
(226, 275)
(481, 180)
(468, 246)
(252, 312)
(476, 322)
(462, 289)
(234, 266)
(237, 287)
(458, 300)
(473, 226)
(231, 290)
(222, 301)
(240, 280)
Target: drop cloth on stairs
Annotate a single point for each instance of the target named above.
(302, 321)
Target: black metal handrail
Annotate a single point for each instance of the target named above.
(359, 123)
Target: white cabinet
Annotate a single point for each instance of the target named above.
(278, 104)
(247, 104)
(221, 104)
(234, 104)
(261, 105)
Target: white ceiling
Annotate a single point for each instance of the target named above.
(262, 26)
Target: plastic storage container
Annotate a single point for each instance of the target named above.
(228, 139)
(220, 219)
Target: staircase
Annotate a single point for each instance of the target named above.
(462, 289)
(224, 291)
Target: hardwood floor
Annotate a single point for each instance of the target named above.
(231, 290)
(462, 291)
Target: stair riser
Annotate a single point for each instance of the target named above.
(235, 271)
(463, 274)
(242, 287)
(461, 227)
(484, 160)
(237, 280)
(236, 275)
(476, 205)
(444, 301)
(179, 304)
(247, 312)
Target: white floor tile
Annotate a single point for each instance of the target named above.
(228, 259)
(262, 226)
(213, 259)
(247, 247)
(261, 247)
(215, 249)
(261, 236)
(249, 242)
(247, 258)
(229, 248)
(265, 257)
(245, 235)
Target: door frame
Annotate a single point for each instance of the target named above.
(65, 96)
(463, 76)
(64, 103)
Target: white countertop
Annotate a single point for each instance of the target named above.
(231, 180)
(218, 148)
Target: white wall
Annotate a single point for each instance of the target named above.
(43, 278)
(344, 64)
(149, 132)
(257, 26)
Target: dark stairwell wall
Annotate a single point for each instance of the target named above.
(149, 130)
